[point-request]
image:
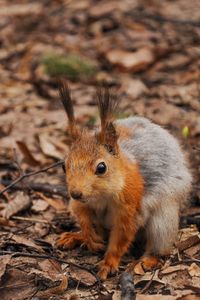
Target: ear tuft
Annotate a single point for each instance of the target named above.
(107, 104)
(111, 137)
(65, 96)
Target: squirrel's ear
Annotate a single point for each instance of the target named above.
(107, 104)
(66, 100)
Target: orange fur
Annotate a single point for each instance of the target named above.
(125, 220)
(123, 212)
(150, 262)
(110, 201)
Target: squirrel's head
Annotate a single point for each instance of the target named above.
(93, 163)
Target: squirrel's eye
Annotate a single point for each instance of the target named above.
(101, 168)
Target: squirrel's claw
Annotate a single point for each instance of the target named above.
(68, 240)
(150, 262)
(106, 268)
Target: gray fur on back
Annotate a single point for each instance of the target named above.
(158, 154)
(166, 177)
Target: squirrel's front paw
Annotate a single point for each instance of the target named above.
(107, 267)
(68, 240)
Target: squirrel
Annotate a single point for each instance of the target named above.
(130, 174)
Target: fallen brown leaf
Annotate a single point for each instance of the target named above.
(27, 242)
(4, 260)
(21, 9)
(17, 285)
(133, 87)
(82, 276)
(58, 204)
(172, 269)
(6, 222)
(28, 156)
(155, 297)
(39, 205)
(20, 202)
(131, 61)
(194, 270)
(138, 269)
(48, 148)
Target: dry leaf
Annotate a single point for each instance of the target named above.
(50, 273)
(21, 9)
(27, 242)
(172, 269)
(20, 202)
(6, 222)
(28, 156)
(52, 283)
(4, 260)
(74, 297)
(194, 270)
(192, 251)
(138, 269)
(58, 204)
(155, 297)
(133, 87)
(82, 276)
(18, 285)
(48, 148)
(131, 61)
(39, 205)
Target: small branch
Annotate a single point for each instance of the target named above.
(185, 261)
(143, 291)
(39, 187)
(19, 179)
(162, 19)
(46, 256)
(34, 220)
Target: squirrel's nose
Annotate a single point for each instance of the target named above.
(76, 195)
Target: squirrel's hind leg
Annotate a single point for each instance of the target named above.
(162, 229)
(161, 233)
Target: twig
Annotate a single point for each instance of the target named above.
(58, 163)
(159, 18)
(45, 256)
(29, 219)
(143, 291)
(127, 287)
(39, 187)
(185, 261)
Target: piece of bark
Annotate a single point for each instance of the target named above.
(191, 241)
(127, 287)
(40, 187)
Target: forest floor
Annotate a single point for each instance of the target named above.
(148, 52)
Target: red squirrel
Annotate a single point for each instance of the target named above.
(129, 174)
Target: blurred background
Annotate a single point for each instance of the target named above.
(147, 51)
